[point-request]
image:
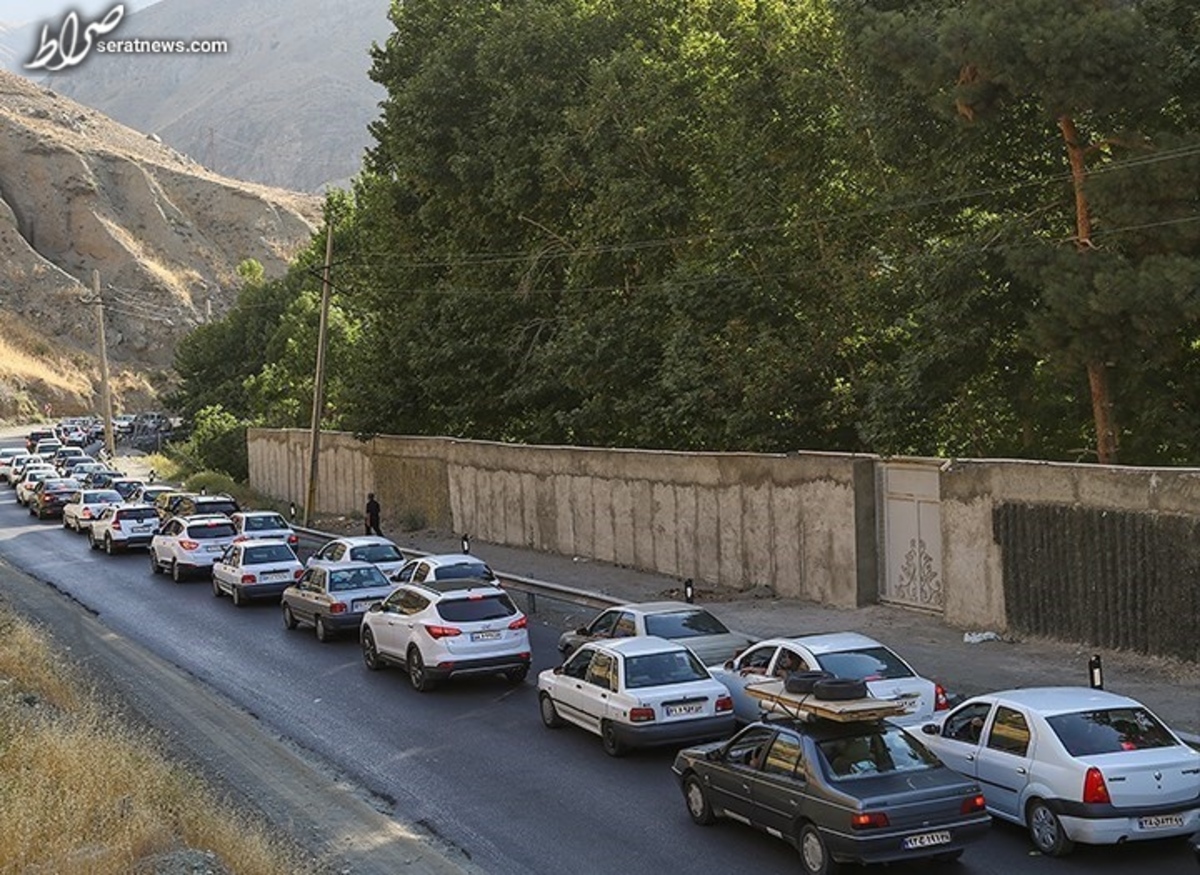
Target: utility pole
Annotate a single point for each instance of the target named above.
(318, 408)
(106, 386)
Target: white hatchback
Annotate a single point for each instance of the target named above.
(636, 692)
(1073, 764)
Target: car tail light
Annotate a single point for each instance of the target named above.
(869, 820)
(115, 525)
(1095, 791)
(293, 540)
(298, 573)
(87, 513)
(442, 631)
(521, 622)
(189, 545)
(940, 701)
(641, 715)
(249, 578)
(974, 803)
(337, 608)
(724, 703)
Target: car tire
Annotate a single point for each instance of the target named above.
(696, 798)
(92, 541)
(289, 619)
(814, 853)
(154, 566)
(370, 652)
(517, 675)
(839, 689)
(323, 633)
(609, 739)
(1046, 830)
(109, 547)
(217, 591)
(239, 597)
(801, 682)
(417, 675)
(176, 572)
(550, 717)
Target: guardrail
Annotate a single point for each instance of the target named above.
(532, 588)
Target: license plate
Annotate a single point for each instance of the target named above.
(363, 605)
(927, 840)
(214, 548)
(485, 636)
(139, 528)
(680, 710)
(278, 575)
(1161, 821)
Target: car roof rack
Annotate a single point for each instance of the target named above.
(806, 707)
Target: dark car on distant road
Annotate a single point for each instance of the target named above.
(50, 495)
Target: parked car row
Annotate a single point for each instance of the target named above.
(868, 763)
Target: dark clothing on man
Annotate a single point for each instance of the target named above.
(373, 515)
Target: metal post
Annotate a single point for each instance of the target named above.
(466, 543)
(1095, 672)
(318, 408)
(105, 385)
(689, 591)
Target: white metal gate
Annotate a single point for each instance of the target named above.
(912, 535)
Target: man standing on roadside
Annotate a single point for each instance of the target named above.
(373, 515)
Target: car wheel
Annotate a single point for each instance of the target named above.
(370, 654)
(239, 597)
(323, 633)
(696, 798)
(814, 854)
(217, 591)
(839, 690)
(176, 572)
(417, 675)
(609, 739)
(289, 619)
(1046, 830)
(154, 566)
(517, 675)
(549, 713)
(92, 541)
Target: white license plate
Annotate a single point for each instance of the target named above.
(485, 636)
(139, 528)
(680, 710)
(279, 575)
(927, 840)
(1161, 821)
(363, 605)
(214, 548)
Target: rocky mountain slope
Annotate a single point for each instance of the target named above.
(287, 105)
(79, 192)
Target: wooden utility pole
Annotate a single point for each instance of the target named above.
(318, 407)
(106, 387)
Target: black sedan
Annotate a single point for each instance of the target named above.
(862, 792)
(50, 495)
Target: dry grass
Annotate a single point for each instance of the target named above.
(43, 364)
(81, 794)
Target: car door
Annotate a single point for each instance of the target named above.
(227, 568)
(400, 622)
(778, 788)
(309, 594)
(961, 736)
(164, 541)
(1004, 762)
(732, 785)
(568, 694)
(739, 673)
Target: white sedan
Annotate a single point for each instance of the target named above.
(263, 525)
(255, 569)
(1073, 764)
(85, 506)
(636, 692)
(380, 552)
(841, 654)
(32, 476)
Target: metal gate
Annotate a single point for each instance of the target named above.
(912, 535)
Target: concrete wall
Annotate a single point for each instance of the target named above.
(791, 523)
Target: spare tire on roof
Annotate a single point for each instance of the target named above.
(801, 682)
(839, 689)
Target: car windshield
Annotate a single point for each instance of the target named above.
(265, 523)
(684, 624)
(356, 578)
(874, 751)
(463, 571)
(660, 669)
(211, 531)
(868, 664)
(476, 608)
(376, 553)
(268, 553)
(1109, 731)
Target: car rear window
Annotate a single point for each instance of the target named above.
(659, 669)
(269, 553)
(211, 531)
(376, 553)
(463, 571)
(1109, 731)
(476, 608)
(137, 513)
(265, 523)
(874, 752)
(216, 506)
(107, 495)
(868, 664)
(356, 578)
(684, 624)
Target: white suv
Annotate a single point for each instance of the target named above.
(123, 527)
(440, 629)
(188, 545)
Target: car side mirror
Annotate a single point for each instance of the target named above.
(931, 729)
(582, 630)
(728, 665)
(715, 755)
(375, 608)
(558, 669)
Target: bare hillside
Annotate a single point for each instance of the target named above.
(288, 105)
(79, 192)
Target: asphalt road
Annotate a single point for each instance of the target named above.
(468, 770)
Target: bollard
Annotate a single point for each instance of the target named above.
(292, 510)
(466, 543)
(1096, 672)
(689, 591)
